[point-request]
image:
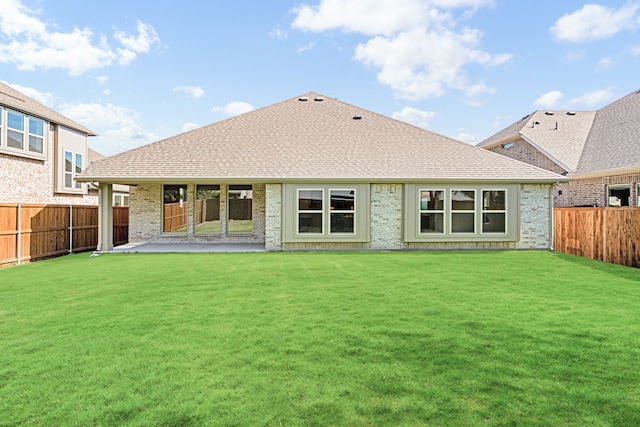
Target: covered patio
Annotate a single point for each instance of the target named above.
(187, 247)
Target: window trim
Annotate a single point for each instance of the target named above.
(195, 209)
(290, 214)
(184, 201)
(412, 213)
(618, 187)
(253, 220)
(76, 187)
(26, 134)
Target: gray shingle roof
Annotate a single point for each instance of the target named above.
(297, 140)
(614, 141)
(559, 134)
(16, 100)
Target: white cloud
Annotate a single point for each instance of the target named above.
(191, 91)
(187, 126)
(466, 137)
(106, 92)
(414, 69)
(414, 116)
(549, 99)
(473, 94)
(606, 63)
(102, 79)
(277, 33)
(596, 98)
(594, 22)
(306, 47)
(45, 98)
(635, 50)
(30, 44)
(403, 35)
(234, 108)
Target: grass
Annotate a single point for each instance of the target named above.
(345, 339)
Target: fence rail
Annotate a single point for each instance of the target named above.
(606, 234)
(29, 232)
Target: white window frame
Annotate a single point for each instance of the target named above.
(26, 135)
(75, 185)
(484, 211)
(473, 211)
(413, 210)
(618, 187)
(291, 214)
(435, 211)
(320, 211)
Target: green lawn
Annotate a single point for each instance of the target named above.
(326, 339)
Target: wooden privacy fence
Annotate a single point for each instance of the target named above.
(606, 234)
(29, 232)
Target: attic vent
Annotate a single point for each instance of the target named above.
(356, 117)
(571, 113)
(549, 113)
(303, 99)
(318, 99)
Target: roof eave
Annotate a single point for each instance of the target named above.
(605, 172)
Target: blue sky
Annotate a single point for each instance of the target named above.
(137, 72)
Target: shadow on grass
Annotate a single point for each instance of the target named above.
(622, 271)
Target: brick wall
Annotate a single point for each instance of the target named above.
(524, 152)
(145, 217)
(24, 180)
(387, 218)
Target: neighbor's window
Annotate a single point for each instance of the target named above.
(207, 209)
(72, 167)
(463, 211)
(175, 209)
(494, 213)
(15, 130)
(240, 209)
(36, 135)
(431, 211)
(619, 195)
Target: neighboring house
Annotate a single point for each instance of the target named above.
(315, 173)
(41, 153)
(120, 192)
(598, 150)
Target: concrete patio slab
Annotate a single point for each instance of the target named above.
(188, 247)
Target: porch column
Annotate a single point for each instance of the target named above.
(105, 217)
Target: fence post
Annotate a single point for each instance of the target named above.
(70, 228)
(18, 234)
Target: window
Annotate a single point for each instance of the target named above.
(240, 207)
(310, 210)
(15, 130)
(337, 213)
(175, 209)
(313, 212)
(619, 195)
(454, 214)
(36, 135)
(72, 167)
(463, 211)
(21, 133)
(120, 200)
(431, 211)
(494, 213)
(207, 209)
(507, 145)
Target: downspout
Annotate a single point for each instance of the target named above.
(551, 219)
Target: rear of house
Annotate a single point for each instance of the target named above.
(315, 173)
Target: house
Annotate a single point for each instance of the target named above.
(120, 192)
(41, 153)
(315, 173)
(598, 150)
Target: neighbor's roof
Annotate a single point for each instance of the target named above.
(559, 134)
(15, 100)
(311, 137)
(614, 141)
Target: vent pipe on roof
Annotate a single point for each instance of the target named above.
(571, 113)
(318, 99)
(303, 98)
(356, 117)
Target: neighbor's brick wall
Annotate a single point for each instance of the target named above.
(593, 191)
(24, 180)
(524, 152)
(145, 217)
